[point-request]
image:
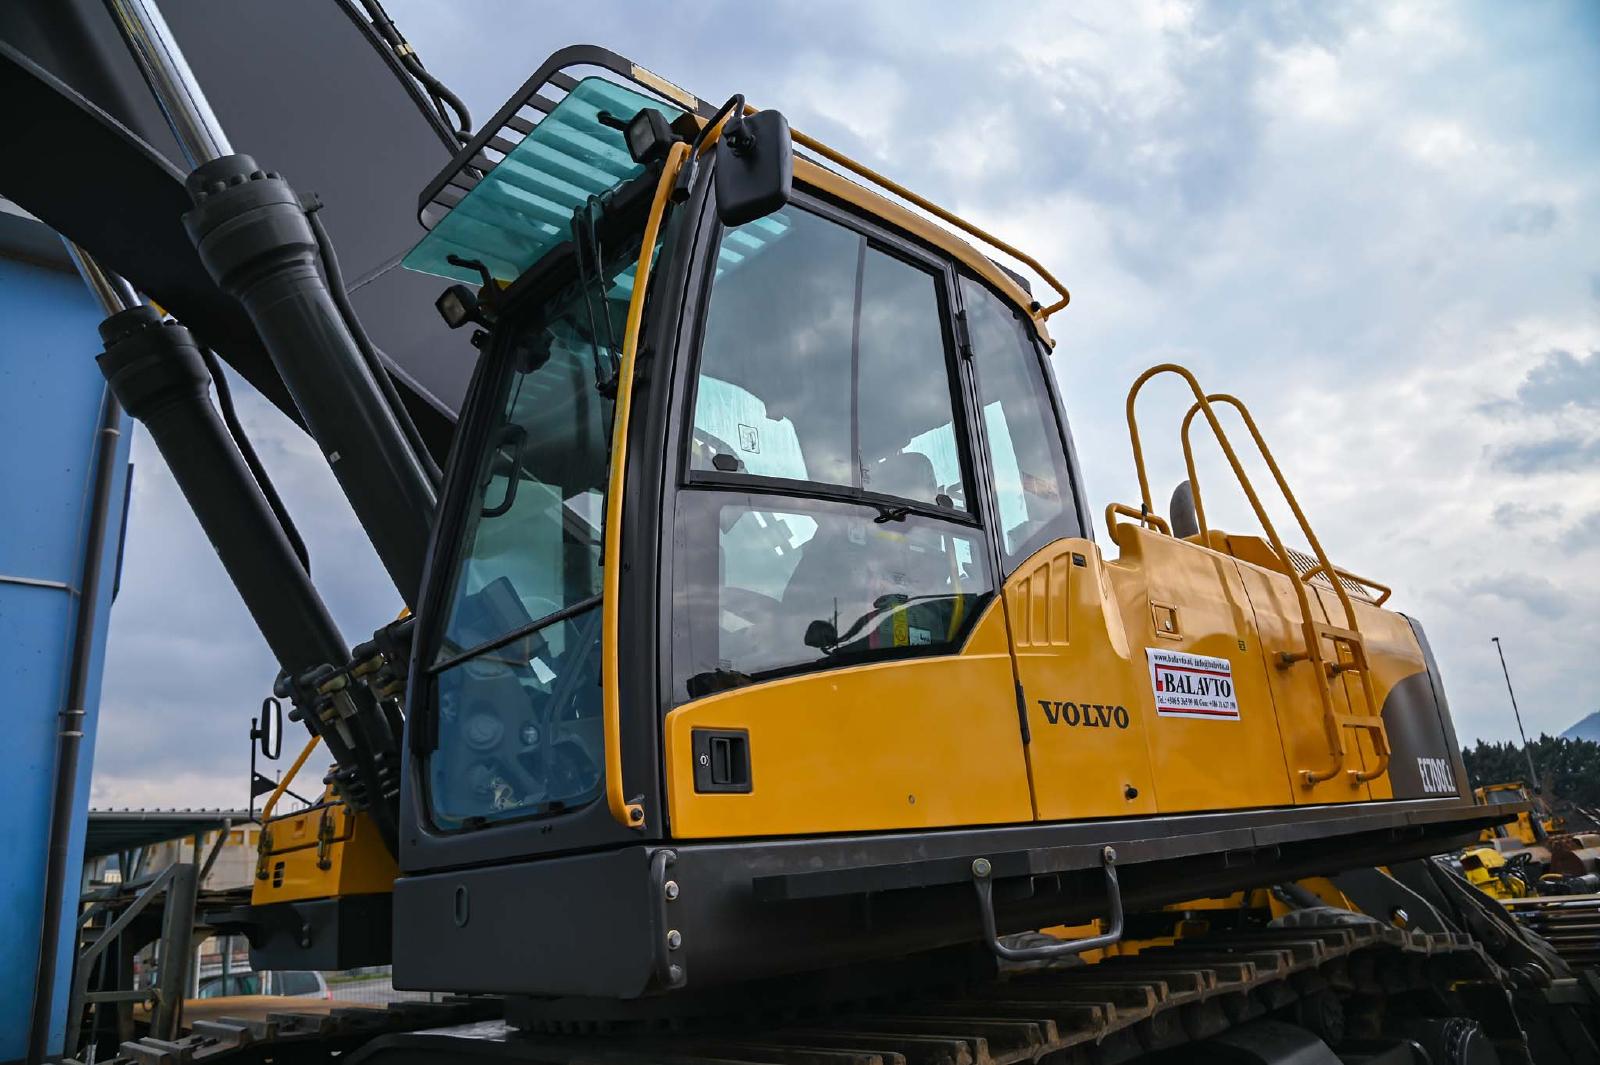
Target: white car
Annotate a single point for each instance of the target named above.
(291, 983)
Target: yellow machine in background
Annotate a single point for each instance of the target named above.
(1490, 872)
(322, 851)
(1532, 827)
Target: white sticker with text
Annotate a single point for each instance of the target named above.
(1192, 685)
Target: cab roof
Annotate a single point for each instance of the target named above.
(508, 195)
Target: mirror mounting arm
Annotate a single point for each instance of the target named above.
(686, 173)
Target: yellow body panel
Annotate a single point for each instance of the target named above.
(1294, 690)
(1522, 828)
(1485, 869)
(914, 743)
(1200, 764)
(321, 852)
(1073, 660)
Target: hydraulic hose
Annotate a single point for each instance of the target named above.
(369, 351)
(230, 419)
(407, 55)
(70, 734)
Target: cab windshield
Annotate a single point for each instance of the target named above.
(516, 670)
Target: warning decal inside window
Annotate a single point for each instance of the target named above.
(1192, 685)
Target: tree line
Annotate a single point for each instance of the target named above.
(1569, 769)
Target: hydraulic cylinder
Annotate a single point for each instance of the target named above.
(253, 235)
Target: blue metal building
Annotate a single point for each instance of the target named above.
(50, 411)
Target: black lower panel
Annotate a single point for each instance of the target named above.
(585, 925)
(648, 919)
(337, 933)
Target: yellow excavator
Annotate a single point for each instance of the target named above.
(764, 688)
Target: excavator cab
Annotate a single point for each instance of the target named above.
(763, 583)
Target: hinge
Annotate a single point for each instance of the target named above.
(1022, 716)
(963, 335)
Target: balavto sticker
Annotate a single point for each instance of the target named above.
(1192, 685)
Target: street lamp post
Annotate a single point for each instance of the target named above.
(1527, 752)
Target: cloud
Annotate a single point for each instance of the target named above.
(1562, 380)
(1527, 219)
(1584, 533)
(213, 786)
(1536, 595)
(1514, 515)
(1566, 453)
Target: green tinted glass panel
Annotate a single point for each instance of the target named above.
(523, 207)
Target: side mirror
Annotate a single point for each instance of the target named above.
(755, 166)
(268, 733)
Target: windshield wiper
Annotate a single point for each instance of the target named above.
(591, 274)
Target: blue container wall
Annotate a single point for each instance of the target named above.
(50, 397)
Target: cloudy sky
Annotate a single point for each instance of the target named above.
(1377, 223)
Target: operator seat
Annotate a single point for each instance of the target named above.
(836, 568)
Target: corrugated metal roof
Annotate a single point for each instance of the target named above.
(111, 831)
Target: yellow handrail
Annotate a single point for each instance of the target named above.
(627, 812)
(288, 778)
(264, 840)
(1145, 517)
(1313, 641)
(1383, 590)
(833, 155)
(939, 212)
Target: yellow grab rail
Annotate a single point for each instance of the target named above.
(264, 840)
(862, 170)
(1334, 723)
(628, 812)
(837, 157)
(288, 778)
(1383, 590)
(1145, 517)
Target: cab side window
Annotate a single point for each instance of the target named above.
(1028, 460)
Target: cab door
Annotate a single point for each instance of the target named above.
(839, 660)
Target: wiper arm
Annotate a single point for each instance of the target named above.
(591, 274)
